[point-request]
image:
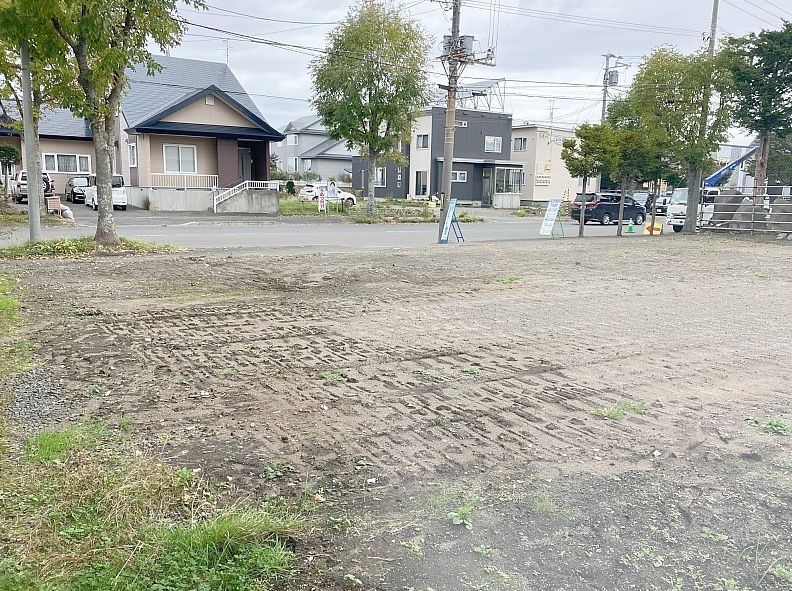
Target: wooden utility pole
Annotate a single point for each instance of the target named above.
(454, 55)
(696, 174)
(34, 182)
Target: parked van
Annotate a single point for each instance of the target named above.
(119, 193)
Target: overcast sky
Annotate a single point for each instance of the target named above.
(534, 43)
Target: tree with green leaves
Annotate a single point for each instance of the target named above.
(779, 162)
(594, 150)
(89, 45)
(371, 83)
(670, 93)
(761, 68)
(9, 156)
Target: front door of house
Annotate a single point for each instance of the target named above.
(245, 164)
(487, 187)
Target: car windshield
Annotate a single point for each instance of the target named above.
(80, 182)
(118, 181)
(679, 197)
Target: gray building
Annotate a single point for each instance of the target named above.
(308, 147)
(483, 172)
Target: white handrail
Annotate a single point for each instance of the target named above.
(237, 189)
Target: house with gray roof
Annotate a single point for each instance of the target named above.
(308, 147)
(191, 126)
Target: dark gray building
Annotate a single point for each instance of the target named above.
(483, 172)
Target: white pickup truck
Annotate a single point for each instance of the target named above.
(677, 207)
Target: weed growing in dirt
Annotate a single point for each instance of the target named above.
(275, 470)
(465, 217)
(482, 549)
(334, 377)
(353, 579)
(413, 547)
(782, 573)
(99, 516)
(543, 502)
(776, 427)
(709, 534)
(525, 212)
(473, 370)
(463, 515)
(620, 410)
(75, 247)
(511, 279)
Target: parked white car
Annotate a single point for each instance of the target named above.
(18, 185)
(311, 193)
(119, 193)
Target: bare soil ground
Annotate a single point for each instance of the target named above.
(393, 387)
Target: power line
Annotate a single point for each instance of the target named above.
(264, 18)
(738, 7)
(584, 20)
(771, 13)
(784, 10)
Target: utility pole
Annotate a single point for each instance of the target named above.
(605, 85)
(454, 53)
(694, 182)
(34, 187)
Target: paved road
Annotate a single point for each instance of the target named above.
(204, 230)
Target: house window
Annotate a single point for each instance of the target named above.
(422, 141)
(458, 176)
(493, 143)
(210, 99)
(508, 180)
(67, 163)
(292, 164)
(306, 164)
(380, 179)
(520, 144)
(292, 139)
(180, 158)
(421, 182)
(132, 155)
(460, 123)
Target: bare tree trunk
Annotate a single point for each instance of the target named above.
(583, 208)
(694, 195)
(106, 234)
(760, 178)
(372, 181)
(621, 205)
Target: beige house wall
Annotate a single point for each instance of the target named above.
(78, 147)
(542, 157)
(218, 114)
(206, 152)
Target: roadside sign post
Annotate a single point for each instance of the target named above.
(321, 200)
(332, 194)
(551, 219)
(451, 221)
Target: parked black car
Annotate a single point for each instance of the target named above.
(75, 189)
(604, 209)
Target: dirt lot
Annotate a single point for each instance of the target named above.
(393, 387)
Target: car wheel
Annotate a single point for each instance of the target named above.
(349, 202)
(639, 219)
(95, 206)
(123, 207)
(605, 220)
(678, 228)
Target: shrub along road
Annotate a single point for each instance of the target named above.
(543, 415)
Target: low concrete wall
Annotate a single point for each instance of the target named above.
(251, 201)
(506, 201)
(170, 199)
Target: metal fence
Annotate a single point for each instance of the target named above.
(745, 211)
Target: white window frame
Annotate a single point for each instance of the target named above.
(307, 164)
(460, 123)
(459, 176)
(132, 155)
(295, 164)
(523, 143)
(294, 137)
(57, 170)
(192, 147)
(495, 139)
(210, 100)
(418, 145)
(377, 181)
(417, 188)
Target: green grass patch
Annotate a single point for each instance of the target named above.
(20, 218)
(98, 515)
(50, 446)
(334, 377)
(465, 217)
(75, 247)
(525, 212)
(295, 207)
(776, 427)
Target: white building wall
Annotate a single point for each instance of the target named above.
(420, 158)
(546, 176)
